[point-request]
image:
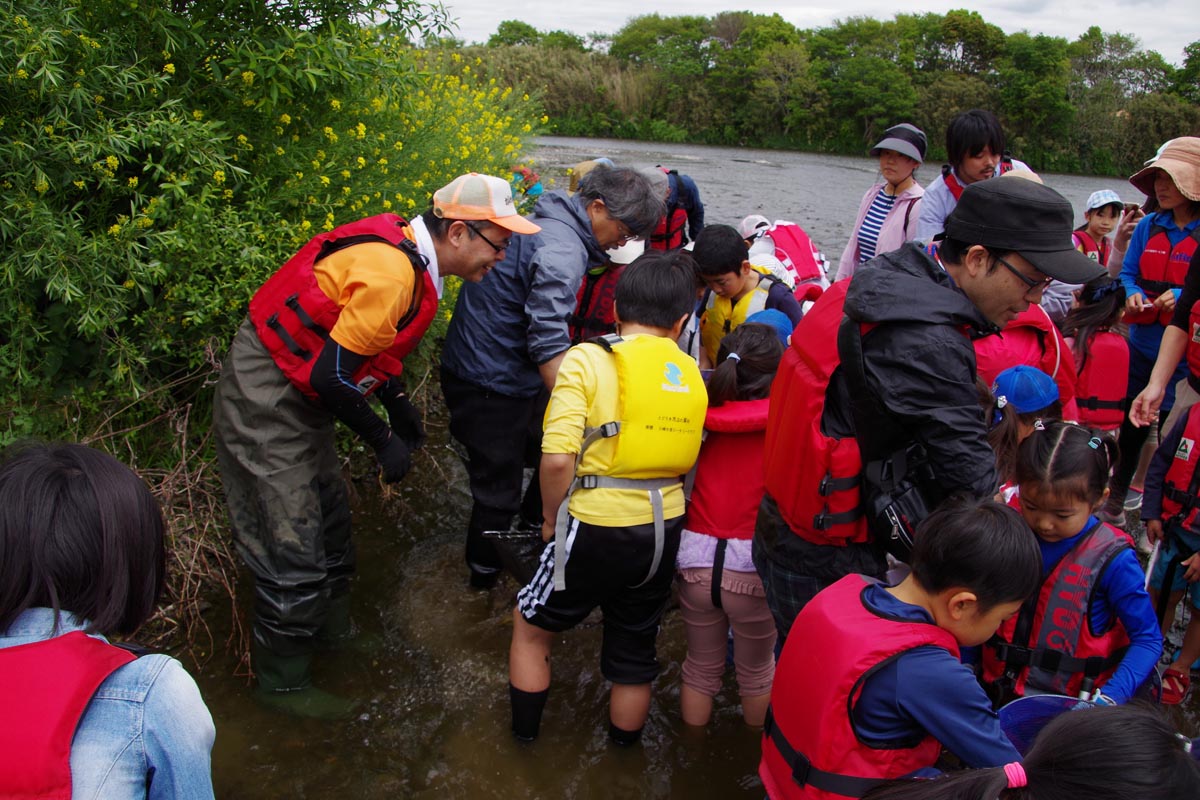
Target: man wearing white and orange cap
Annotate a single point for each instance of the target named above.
(327, 330)
(508, 335)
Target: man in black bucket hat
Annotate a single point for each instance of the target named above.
(907, 362)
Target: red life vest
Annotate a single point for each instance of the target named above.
(1182, 482)
(956, 188)
(815, 478)
(1162, 267)
(729, 472)
(818, 682)
(1050, 644)
(1030, 338)
(798, 254)
(668, 234)
(45, 687)
(1103, 380)
(293, 317)
(1087, 245)
(594, 304)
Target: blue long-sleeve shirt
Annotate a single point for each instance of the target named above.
(1146, 338)
(685, 195)
(926, 689)
(1121, 592)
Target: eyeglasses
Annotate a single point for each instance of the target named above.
(627, 235)
(1031, 284)
(499, 248)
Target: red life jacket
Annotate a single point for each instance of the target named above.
(956, 188)
(1030, 338)
(293, 317)
(1050, 644)
(1182, 482)
(818, 682)
(729, 472)
(815, 478)
(45, 687)
(798, 254)
(1162, 267)
(668, 234)
(593, 314)
(1087, 245)
(1103, 380)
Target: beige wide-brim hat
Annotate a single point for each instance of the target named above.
(1181, 160)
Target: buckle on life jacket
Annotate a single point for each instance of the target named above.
(285, 337)
(293, 303)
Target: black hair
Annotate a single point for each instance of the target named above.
(657, 288)
(1068, 459)
(437, 226)
(1101, 303)
(971, 131)
(749, 375)
(720, 249)
(1118, 208)
(953, 251)
(979, 545)
(626, 194)
(79, 533)
(1103, 753)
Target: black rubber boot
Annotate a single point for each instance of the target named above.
(338, 631)
(623, 737)
(527, 710)
(285, 684)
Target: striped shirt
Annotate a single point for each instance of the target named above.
(868, 232)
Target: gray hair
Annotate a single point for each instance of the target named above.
(628, 196)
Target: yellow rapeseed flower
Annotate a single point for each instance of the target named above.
(248, 77)
(286, 119)
(169, 69)
(113, 230)
(112, 162)
(335, 104)
(197, 115)
(133, 182)
(219, 176)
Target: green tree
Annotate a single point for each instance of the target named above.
(513, 32)
(1187, 79)
(563, 40)
(1033, 76)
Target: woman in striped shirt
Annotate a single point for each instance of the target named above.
(887, 217)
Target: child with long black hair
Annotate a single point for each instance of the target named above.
(719, 587)
(1091, 629)
(1096, 753)
(1097, 339)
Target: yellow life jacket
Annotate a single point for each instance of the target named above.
(721, 315)
(661, 408)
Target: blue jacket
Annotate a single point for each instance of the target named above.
(685, 195)
(516, 318)
(146, 732)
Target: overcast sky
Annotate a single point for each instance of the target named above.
(1162, 26)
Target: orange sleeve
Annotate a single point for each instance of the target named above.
(374, 285)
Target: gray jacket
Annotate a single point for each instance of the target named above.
(516, 317)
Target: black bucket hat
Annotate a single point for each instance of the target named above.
(1026, 218)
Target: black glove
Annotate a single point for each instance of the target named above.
(405, 420)
(395, 459)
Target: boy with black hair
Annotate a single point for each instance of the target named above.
(975, 150)
(735, 288)
(623, 425)
(872, 687)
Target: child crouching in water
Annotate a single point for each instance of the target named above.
(1091, 630)
(622, 428)
(719, 587)
(870, 687)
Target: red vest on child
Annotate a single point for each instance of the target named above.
(44, 689)
(835, 642)
(729, 472)
(1162, 268)
(1057, 647)
(1103, 381)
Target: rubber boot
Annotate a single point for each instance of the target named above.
(285, 684)
(338, 631)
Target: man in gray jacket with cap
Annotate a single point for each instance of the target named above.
(508, 335)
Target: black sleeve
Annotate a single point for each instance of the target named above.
(1189, 295)
(332, 381)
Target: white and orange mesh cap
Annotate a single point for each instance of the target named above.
(474, 196)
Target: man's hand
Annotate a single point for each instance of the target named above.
(1193, 568)
(394, 459)
(548, 530)
(1154, 530)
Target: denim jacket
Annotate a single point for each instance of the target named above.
(146, 732)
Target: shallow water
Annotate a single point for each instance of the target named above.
(434, 683)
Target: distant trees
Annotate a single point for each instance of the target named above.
(1098, 104)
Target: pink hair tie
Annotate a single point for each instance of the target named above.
(1015, 774)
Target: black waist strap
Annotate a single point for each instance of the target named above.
(1095, 403)
(805, 774)
(1017, 657)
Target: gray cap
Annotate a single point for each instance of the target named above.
(907, 140)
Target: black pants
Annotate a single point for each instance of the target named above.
(502, 436)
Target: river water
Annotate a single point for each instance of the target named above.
(433, 675)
